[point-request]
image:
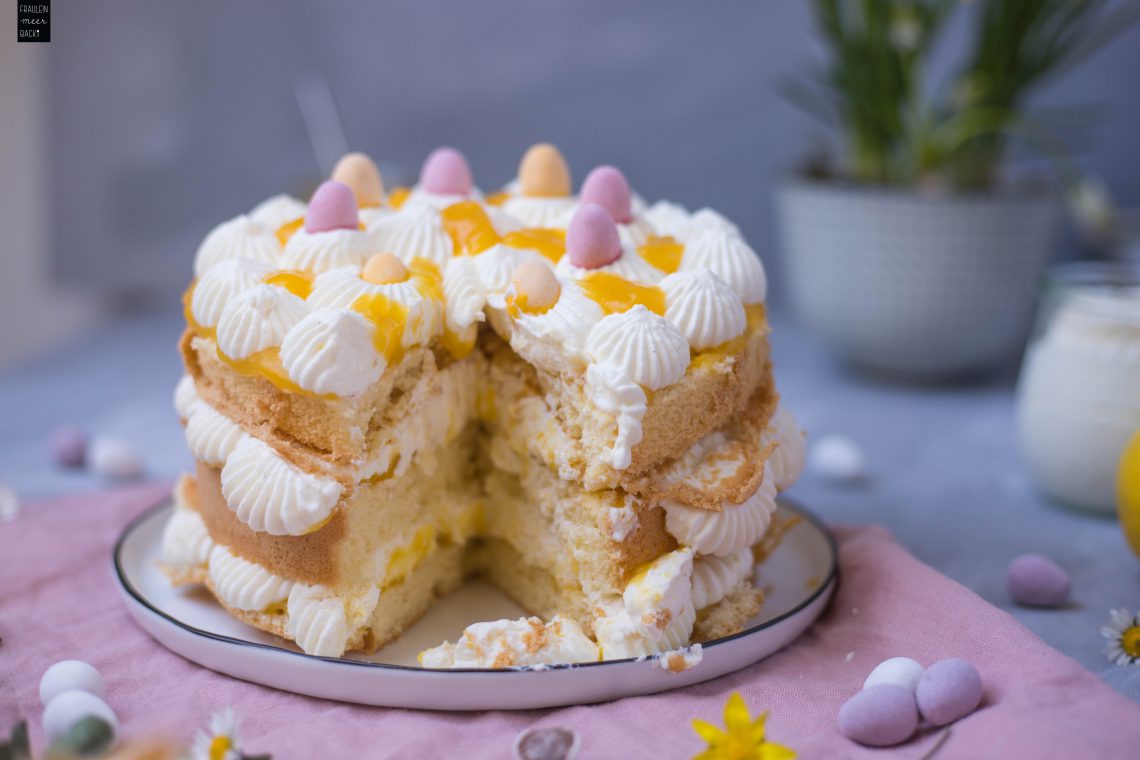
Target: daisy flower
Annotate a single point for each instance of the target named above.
(1123, 635)
(221, 742)
(742, 737)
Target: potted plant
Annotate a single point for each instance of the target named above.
(916, 253)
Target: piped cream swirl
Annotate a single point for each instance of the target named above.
(221, 284)
(278, 210)
(714, 577)
(722, 533)
(322, 622)
(271, 495)
(704, 308)
(257, 319)
(786, 463)
(185, 394)
(239, 238)
(185, 542)
(417, 232)
(322, 251)
(645, 347)
(331, 352)
(730, 259)
(243, 585)
(210, 435)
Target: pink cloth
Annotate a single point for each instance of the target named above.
(58, 601)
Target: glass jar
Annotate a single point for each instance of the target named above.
(1079, 392)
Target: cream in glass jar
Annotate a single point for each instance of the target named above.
(1079, 393)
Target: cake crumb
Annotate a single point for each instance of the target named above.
(679, 660)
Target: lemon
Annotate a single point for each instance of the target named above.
(1128, 492)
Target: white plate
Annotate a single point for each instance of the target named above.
(799, 578)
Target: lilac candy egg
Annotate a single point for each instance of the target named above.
(880, 716)
(1034, 580)
(948, 690)
(898, 670)
(69, 446)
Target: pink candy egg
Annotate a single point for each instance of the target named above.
(948, 690)
(332, 207)
(446, 172)
(592, 238)
(607, 187)
(1034, 580)
(881, 716)
(69, 446)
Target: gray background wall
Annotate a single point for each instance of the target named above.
(162, 118)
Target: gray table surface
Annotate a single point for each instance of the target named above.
(945, 474)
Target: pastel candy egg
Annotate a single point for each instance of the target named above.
(1034, 580)
(70, 675)
(880, 716)
(607, 187)
(837, 458)
(70, 707)
(446, 172)
(384, 269)
(546, 744)
(536, 289)
(592, 238)
(901, 671)
(359, 172)
(948, 690)
(69, 446)
(543, 172)
(114, 458)
(332, 207)
(90, 736)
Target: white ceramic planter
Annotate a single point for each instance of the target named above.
(926, 287)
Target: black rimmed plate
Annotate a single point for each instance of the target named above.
(799, 579)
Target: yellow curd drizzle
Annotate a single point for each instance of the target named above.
(285, 231)
(550, 243)
(662, 252)
(267, 364)
(757, 321)
(389, 318)
(187, 310)
(497, 199)
(398, 197)
(470, 228)
(296, 281)
(458, 345)
(617, 295)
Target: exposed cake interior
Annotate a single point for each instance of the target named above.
(570, 396)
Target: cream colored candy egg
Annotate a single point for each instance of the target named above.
(360, 173)
(543, 172)
(384, 269)
(536, 287)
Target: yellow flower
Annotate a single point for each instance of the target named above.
(742, 739)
